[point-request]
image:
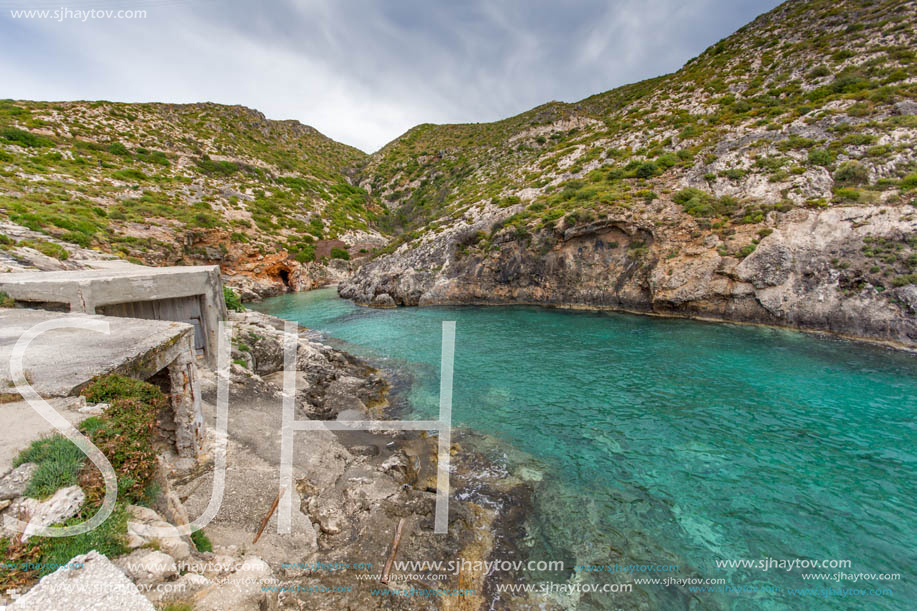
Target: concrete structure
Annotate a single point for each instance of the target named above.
(193, 295)
(61, 362)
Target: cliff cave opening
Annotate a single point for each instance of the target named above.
(284, 276)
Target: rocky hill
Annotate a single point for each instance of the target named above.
(167, 184)
(772, 179)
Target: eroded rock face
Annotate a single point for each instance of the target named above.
(809, 271)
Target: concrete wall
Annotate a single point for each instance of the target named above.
(91, 291)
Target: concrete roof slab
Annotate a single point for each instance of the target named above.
(60, 362)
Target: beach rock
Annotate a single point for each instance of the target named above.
(143, 528)
(241, 590)
(63, 504)
(148, 566)
(99, 584)
(14, 483)
(94, 409)
(383, 300)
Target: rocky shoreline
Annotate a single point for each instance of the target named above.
(351, 490)
(352, 487)
(810, 271)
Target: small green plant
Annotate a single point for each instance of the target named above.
(49, 249)
(24, 138)
(647, 169)
(847, 194)
(340, 253)
(59, 462)
(129, 174)
(116, 148)
(109, 388)
(702, 204)
(201, 542)
(851, 173)
(6, 301)
(821, 157)
(818, 72)
(232, 300)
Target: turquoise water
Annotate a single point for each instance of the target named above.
(675, 442)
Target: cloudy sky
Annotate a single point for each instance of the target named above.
(360, 71)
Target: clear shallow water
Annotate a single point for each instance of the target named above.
(675, 442)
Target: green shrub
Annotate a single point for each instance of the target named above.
(340, 253)
(6, 301)
(668, 160)
(129, 174)
(821, 157)
(647, 169)
(75, 237)
(220, 168)
(125, 433)
(818, 72)
(700, 203)
(746, 250)
(24, 138)
(305, 254)
(108, 388)
(232, 300)
(205, 219)
(909, 182)
(116, 148)
(851, 173)
(847, 194)
(201, 542)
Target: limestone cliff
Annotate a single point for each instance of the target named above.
(772, 179)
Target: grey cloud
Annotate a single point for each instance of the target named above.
(363, 71)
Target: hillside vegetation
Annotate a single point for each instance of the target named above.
(809, 105)
(771, 179)
(166, 184)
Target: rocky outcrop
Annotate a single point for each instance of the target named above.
(811, 269)
(351, 489)
(95, 584)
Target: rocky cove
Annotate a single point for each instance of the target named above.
(353, 487)
(809, 270)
